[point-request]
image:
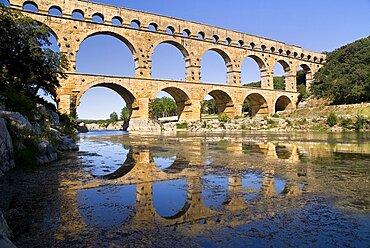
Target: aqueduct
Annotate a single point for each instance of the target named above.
(77, 20)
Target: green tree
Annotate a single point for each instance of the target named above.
(163, 107)
(345, 78)
(113, 117)
(26, 65)
(279, 83)
(125, 114)
(209, 107)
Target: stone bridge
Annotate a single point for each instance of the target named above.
(73, 21)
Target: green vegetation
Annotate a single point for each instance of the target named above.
(26, 65)
(209, 107)
(346, 76)
(332, 119)
(183, 125)
(223, 117)
(360, 123)
(125, 114)
(163, 107)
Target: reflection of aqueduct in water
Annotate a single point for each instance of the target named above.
(141, 170)
(192, 39)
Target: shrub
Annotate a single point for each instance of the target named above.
(222, 125)
(223, 117)
(270, 121)
(360, 122)
(182, 125)
(332, 119)
(345, 122)
(243, 126)
(204, 124)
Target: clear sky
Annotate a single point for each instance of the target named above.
(317, 25)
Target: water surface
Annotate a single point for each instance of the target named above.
(239, 190)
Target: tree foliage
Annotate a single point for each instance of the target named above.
(26, 65)
(209, 107)
(163, 107)
(345, 78)
(125, 114)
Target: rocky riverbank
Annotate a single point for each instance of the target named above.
(24, 143)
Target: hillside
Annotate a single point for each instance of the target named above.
(345, 78)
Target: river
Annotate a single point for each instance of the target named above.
(196, 190)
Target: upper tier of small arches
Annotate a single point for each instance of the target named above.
(109, 15)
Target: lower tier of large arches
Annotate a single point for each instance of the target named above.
(138, 94)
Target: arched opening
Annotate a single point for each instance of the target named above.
(169, 61)
(228, 41)
(170, 30)
(78, 14)
(283, 103)
(201, 36)
(93, 107)
(283, 152)
(215, 39)
(252, 70)
(240, 43)
(106, 54)
(5, 3)
(280, 69)
(186, 33)
(256, 105)
(30, 6)
(170, 198)
(215, 65)
(97, 17)
(55, 11)
(216, 102)
(135, 24)
(304, 80)
(279, 185)
(170, 104)
(153, 27)
(117, 21)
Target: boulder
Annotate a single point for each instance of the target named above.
(46, 152)
(4, 233)
(7, 161)
(16, 121)
(143, 126)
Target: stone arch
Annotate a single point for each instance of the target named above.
(170, 30)
(117, 20)
(289, 79)
(181, 98)
(153, 27)
(54, 8)
(283, 103)
(31, 4)
(126, 94)
(258, 105)
(128, 43)
(183, 51)
(264, 74)
(136, 24)
(308, 74)
(77, 12)
(99, 16)
(223, 100)
(186, 33)
(227, 60)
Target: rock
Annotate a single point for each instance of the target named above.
(16, 121)
(46, 152)
(137, 125)
(82, 128)
(4, 233)
(64, 143)
(7, 161)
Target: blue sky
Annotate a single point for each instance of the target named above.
(315, 25)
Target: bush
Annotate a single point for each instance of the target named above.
(360, 122)
(223, 117)
(204, 124)
(182, 125)
(243, 126)
(222, 125)
(332, 119)
(345, 122)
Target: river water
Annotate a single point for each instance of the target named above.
(188, 190)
